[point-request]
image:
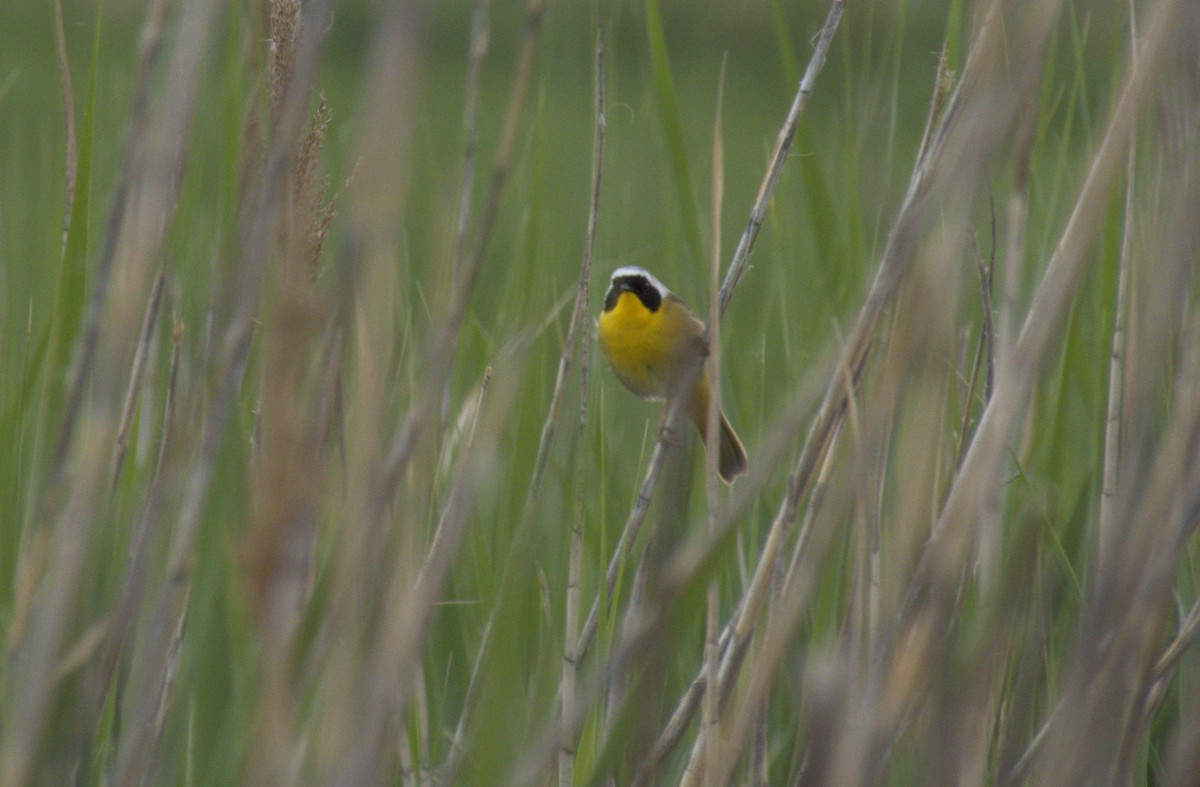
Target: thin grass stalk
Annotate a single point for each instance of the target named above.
(875, 512)
(117, 222)
(1168, 663)
(168, 416)
(136, 377)
(853, 358)
(360, 571)
(254, 242)
(783, 143)
(441, 349)
(710, 718)
(967, 398)
(165, 701)
(579, 313)
(894, 265)
(690, 700)
(1113, 679)
(689, 563)
(477, 51)
(287, 478)
(448, 772)
(984, 358)
(396, 649)
(133, 586)
(633, 525)
(68, 98)
(1111, 472)
(861, 610)
(88, 428)
(987, 286)
(1045, 314)
(569, 680)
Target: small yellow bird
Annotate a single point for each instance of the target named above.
(653, 343)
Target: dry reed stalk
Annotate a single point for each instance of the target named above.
(1115, 681)
(945, 163)
(1112, 425)
(358, 570)
(690, 561)
(418, 581)
(142, 208)
(783, 143)
(122, 220)
(941, 565)
(31, 563)
(710, 716)
(120, 444)
(441, 350)
(579, 314)
(571, 656)
(123, 617)
(237, 314)
(979, 470)
(816, 452)
(392, 663)
(478, 50)
(287, 480)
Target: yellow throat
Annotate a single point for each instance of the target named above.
(655, 346)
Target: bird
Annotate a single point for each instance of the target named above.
(656, 346)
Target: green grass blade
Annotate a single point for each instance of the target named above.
(668, 109)
(68, 310)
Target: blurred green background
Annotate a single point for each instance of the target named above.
(827, 223)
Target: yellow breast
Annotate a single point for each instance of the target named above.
(648, 349)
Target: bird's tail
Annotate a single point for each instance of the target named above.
(731, 455)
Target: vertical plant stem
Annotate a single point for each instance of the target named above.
(1111, 473)
(783, 143)
(68, 98)
(711, 712)
(441, 351)
(566, 763)
(135, 377)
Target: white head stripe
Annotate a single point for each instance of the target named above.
(634, 270)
